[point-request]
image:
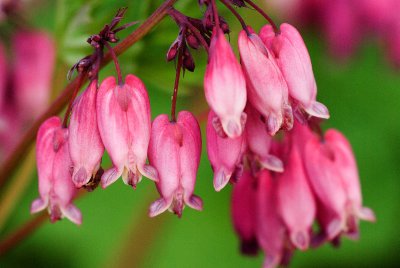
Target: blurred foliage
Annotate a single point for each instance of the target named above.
(362, 96)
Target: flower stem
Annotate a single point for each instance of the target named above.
(234, 12)
(116, 63)
(176, 85)
(265, 15)
(19, 152)
(216, 16)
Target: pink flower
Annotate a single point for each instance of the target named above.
(244, 212)
(53, 162)
(294, 61)
(34, 57)
(259, 141)
(270, 228)
(174, 150)
(123, 116)
(267, 89)
(225, 87)
(334, 178)
(225, 154)
(86, 147)
(296, 202)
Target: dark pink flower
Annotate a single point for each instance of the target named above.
(123, 116)
(86, 147)
(56, 188)
(244, 212)
(174, 150)
(225, 87)
(294, 61)
(34, 57)
(225, 154)
(3, 77)
(267, 89)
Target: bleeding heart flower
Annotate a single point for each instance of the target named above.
(56, 188)
(174, 150)
(123, 116)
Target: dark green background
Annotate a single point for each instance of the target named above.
(363, 98)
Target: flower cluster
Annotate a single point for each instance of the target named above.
(263, 136)
(358, 18)
(24, 88)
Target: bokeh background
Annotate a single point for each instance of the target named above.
(362, 94)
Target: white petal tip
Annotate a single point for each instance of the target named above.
(73, 214)
(318, 109)
(195, 202)
(300, 240)
(158, 207)
(272, 163)
(109, 177)
(150, 172)
(220, 180)
(367, 214)
(38, 205)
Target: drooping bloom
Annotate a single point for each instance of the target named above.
(296, 202)
(225, 87)
(334, 178)
(259, 141)
(174, 150)
(244, 212)
(294, 61)
(270, 228)
(86, 147)
(56, 188)
(225, 154)
(267, 89)
(34, 57)
(123, 116)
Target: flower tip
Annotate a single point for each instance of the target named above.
(150, 172)
(158, 207)
(80, 178)
(300, 240)
(334, 229)
(195, 202)
(319, 110)
(220, 180)
(38, 205)
(72, 213)
(109, 177)
(272, 163)
(367, 214)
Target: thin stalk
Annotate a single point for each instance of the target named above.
(116, 63)
(237, 15)
(265, 15)
(81, 78)
(216, 16)
(21, 149)
(176, 84)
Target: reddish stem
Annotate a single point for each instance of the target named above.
(116, 63)
(81, 79)
(216, 16)
(176, 85)
(265, 15)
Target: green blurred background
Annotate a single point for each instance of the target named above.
(361, 94)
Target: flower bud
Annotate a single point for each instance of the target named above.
(294, 61)
(86, 147)
(225, 86)
(53, 163)
(174, 150)
(123, 116)
(267, 89)
(225, 154)
(33, 69)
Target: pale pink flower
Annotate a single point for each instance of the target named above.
(225, 154)
(270, 228)
(174, 150)
(225, 87)
(244, 212)
(267, 89)
(259, 141)
(34, 57)
(123, 116)
(56, 188)
(294, 61)
(86, 147)
(296, 202)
